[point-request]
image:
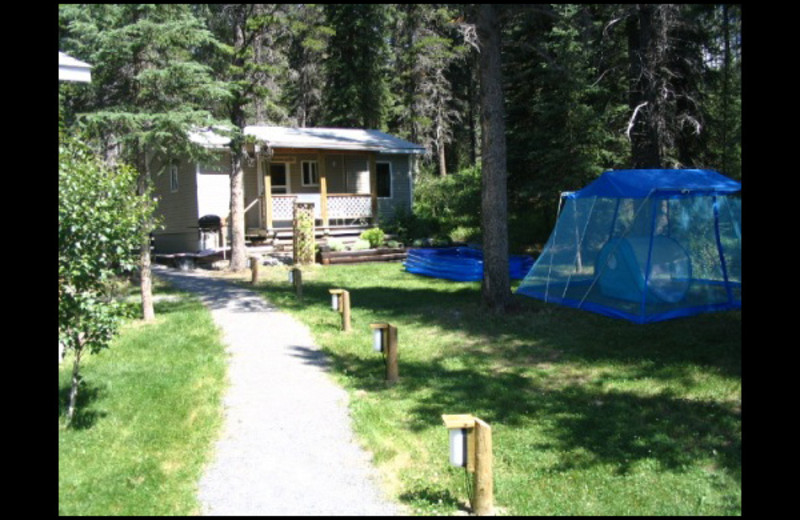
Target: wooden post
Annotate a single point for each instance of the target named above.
(254, 265)
(268, 198)
(323, 192)
(345, 302)
(373, 188)
(392, 373)
(483, 487)
(297, 280)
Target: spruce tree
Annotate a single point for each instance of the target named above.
(430, 49)
(254, 70)
(148, 90)
(356, 91)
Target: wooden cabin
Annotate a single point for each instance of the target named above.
(355, 179)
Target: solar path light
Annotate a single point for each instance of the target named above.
(384, 339)
(296, 279)
(471, 448)
(340, 301)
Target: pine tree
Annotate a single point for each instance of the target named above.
(664, 71)
(356, 90)
(496, 285)
(253, 68)
(430, 50)
(148, 90)
(307, 49)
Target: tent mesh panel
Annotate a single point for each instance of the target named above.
(643, 259)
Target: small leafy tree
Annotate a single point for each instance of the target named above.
(101, 224)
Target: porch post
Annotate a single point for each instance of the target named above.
(267, 205)
(260, 183)
(323, 191)
(373, 188)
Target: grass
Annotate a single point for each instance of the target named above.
(149, 411)
(590, 415)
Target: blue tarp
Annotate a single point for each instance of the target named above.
(641, 183)
(462, 264)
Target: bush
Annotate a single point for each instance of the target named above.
(409, 227)
(360, 245)
(101, 225)
(335, 244)
(463, 234)
(374, 236)
(451, 202)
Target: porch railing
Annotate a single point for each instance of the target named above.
(340, 205)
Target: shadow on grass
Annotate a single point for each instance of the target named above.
(506, 380)
(428, 497)
(215, 293)
(711, 340)
(590, 425)
(85, 417)
(622, 428)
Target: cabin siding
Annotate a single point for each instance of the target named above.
(176, 209)
(251, 196)
(401, 187)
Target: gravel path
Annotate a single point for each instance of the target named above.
(286, 447)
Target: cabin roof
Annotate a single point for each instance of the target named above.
(317, 139)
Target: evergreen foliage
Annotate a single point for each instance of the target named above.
(573, 78)
(356, 90)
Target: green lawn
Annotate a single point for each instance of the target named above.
(590, 415)
(149, 411)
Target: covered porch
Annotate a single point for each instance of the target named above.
(351, 176)
(344, 189)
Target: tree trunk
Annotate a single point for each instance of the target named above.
(145, 274)
(146, 282)
(644, 101)
(73, 391)
(496, 287)
(238, 251)
(442, 162)
(236, 219)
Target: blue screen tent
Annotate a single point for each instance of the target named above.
(645, 245)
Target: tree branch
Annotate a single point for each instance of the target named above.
(633, 120)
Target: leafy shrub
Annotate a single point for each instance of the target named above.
(374, 236)
(408, 226)
(335, 244)
(451, 202)
(465, 234)
(359, 245)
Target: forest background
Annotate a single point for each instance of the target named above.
(586, 88)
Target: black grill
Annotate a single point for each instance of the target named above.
(209, 222)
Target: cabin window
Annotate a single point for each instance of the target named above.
(173, 178)
(310, 173)
(383, 172)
